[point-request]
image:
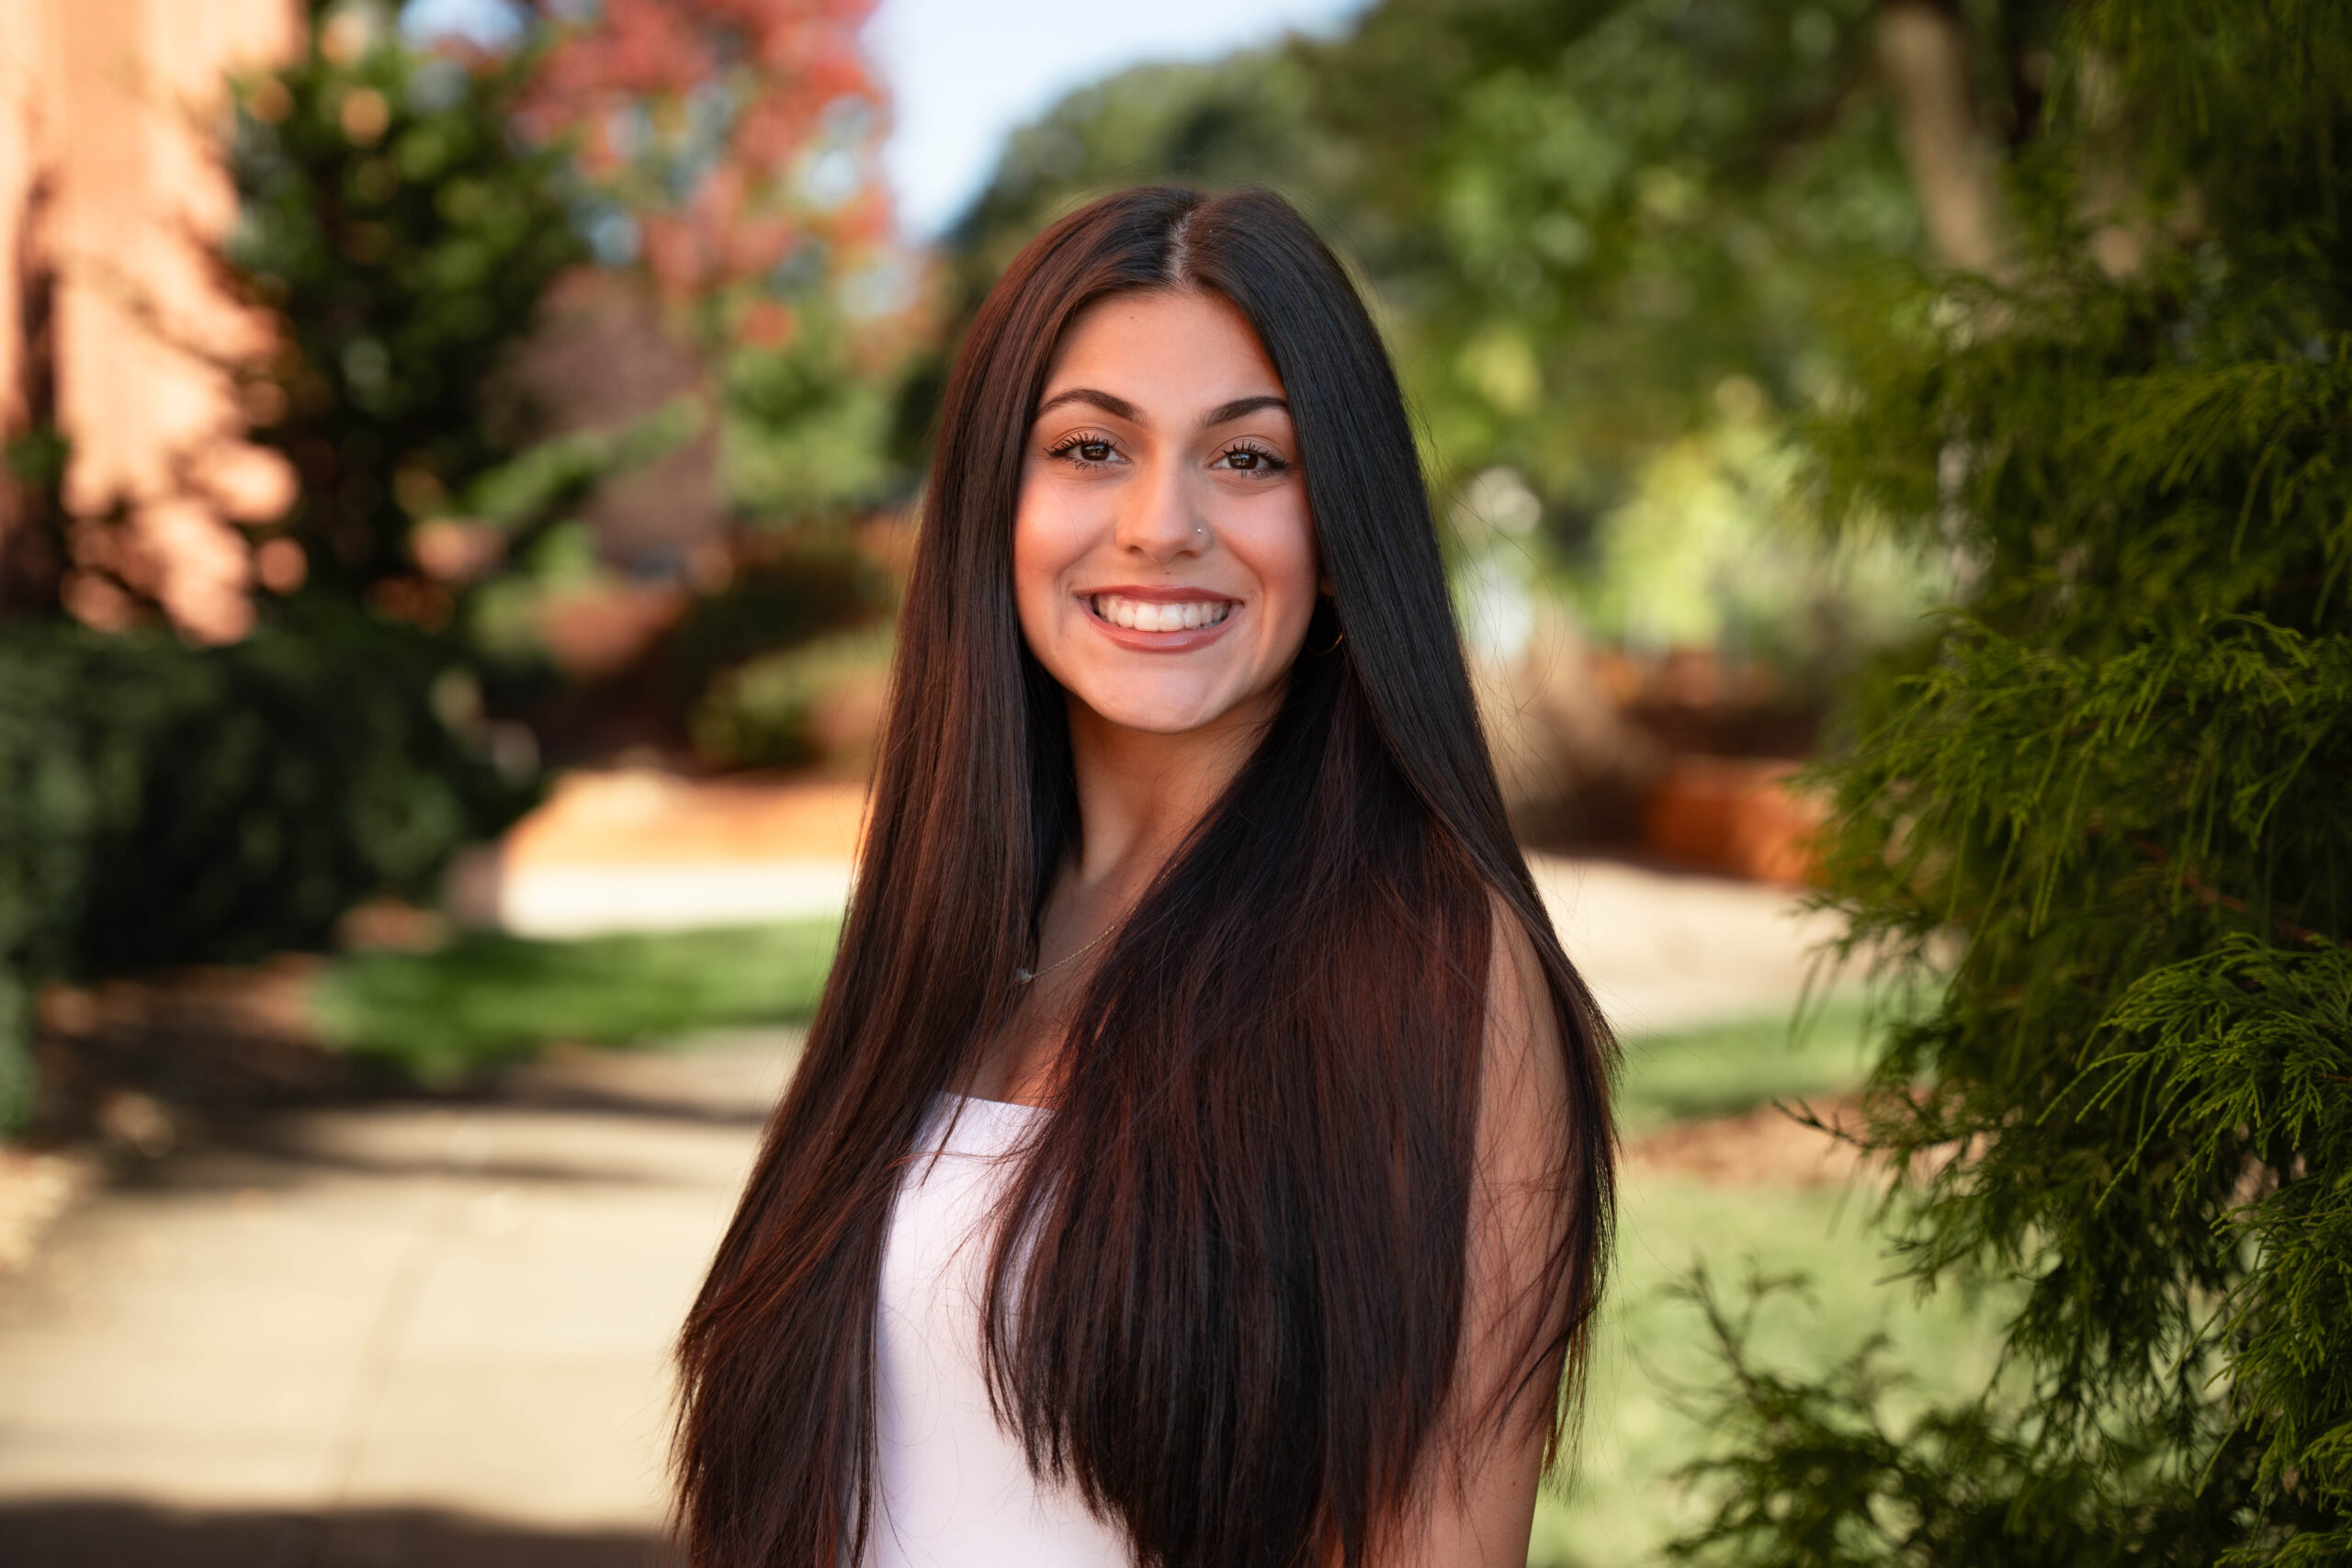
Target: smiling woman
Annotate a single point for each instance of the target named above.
(1161, 513)
(1202, 1155)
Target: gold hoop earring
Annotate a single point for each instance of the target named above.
(1332, 646)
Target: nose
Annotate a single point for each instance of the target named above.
(1156, 516)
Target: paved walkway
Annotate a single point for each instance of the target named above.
(435, 1332)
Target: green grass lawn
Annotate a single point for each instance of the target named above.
(1654, 1351)
(486, 998)
(1727, 1067)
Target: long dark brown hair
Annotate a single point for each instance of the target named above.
(1237, 1300)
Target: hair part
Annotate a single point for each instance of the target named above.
(1178, 270)
(1226, 1299)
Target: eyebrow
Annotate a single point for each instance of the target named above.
(1225, 413)
(1119, 407)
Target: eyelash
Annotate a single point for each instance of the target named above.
(1067, 447)
(1271, 462)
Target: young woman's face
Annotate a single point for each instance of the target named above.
(1163, 561)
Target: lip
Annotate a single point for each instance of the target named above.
(1181, 641)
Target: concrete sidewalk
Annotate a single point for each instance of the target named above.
(437, 1333)
(405, 1334)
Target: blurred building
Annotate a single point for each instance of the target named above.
(599, 358)
(112, 330)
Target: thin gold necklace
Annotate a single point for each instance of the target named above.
(1022, 975)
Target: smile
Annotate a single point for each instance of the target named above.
(1159, 615)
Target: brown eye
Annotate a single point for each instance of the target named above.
(1094, 451)
(1249, 460)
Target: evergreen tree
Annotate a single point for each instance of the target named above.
(402, 237)
(2119, 788)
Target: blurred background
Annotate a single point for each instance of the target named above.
(462, 458)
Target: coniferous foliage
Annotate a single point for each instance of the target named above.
(2119, 787)
(402, 237)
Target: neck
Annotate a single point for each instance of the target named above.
(1139, 793)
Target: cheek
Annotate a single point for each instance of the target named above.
(1287, 569)
(1043, 547)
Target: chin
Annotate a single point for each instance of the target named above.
(1155, 713)
(1154, 718)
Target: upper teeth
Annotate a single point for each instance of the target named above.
(1147, 616)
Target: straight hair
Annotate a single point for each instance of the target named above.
(1227, 1295)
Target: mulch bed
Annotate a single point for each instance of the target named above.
(1765, 1145)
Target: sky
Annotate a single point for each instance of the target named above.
(963, 74)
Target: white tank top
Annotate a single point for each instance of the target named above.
(955, 1491)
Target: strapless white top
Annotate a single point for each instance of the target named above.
(955, 1490)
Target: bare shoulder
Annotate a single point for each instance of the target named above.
(1524, 1091)
(1478, 1496)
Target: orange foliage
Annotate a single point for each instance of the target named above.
(710, 117)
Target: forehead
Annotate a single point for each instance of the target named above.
(1170, 349)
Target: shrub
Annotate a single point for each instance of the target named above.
(173, 806)
(2123, 781)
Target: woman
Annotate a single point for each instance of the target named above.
(1202, 1152)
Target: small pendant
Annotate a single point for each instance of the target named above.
(1022, 976)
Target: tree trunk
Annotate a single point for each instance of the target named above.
(1923, 49)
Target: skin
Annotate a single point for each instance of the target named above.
(1163, 462)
